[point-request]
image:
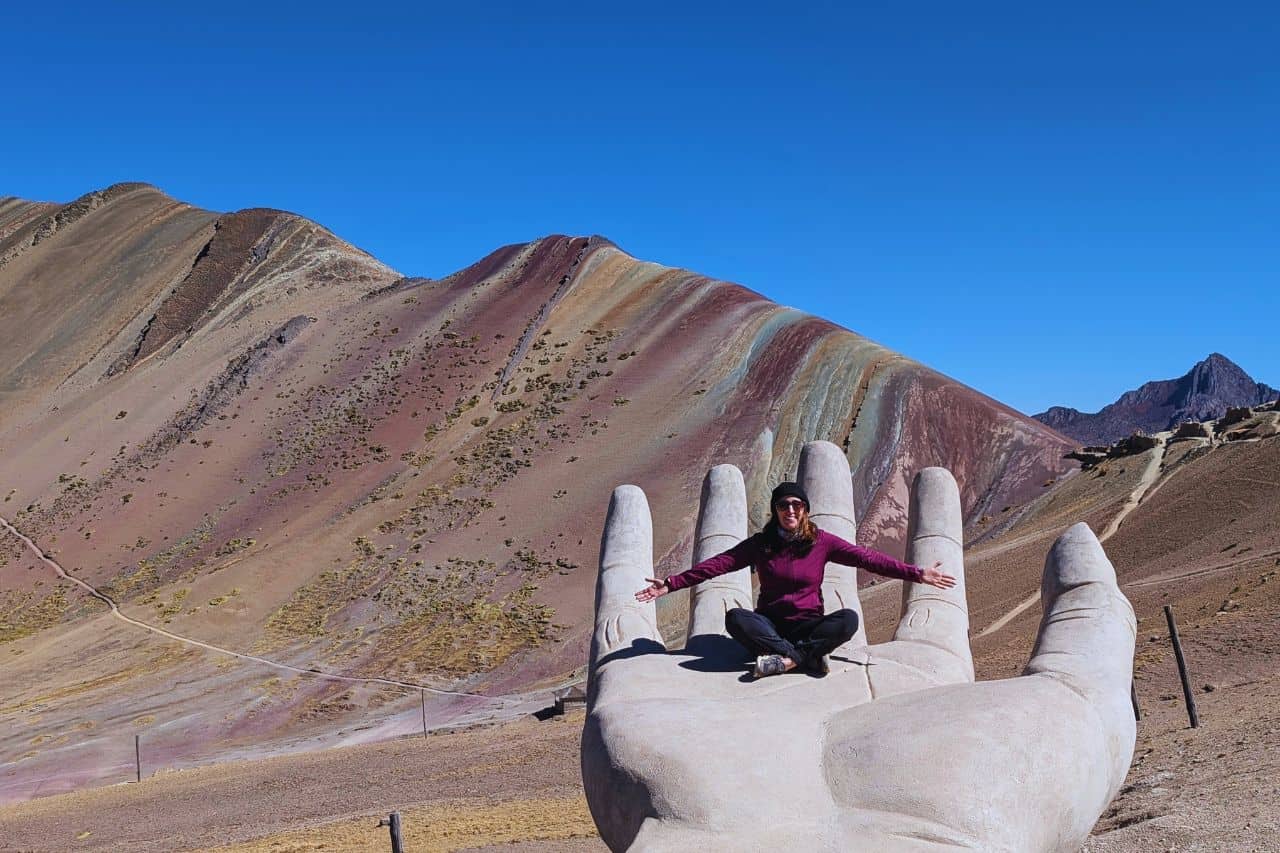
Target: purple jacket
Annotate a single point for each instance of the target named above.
(790, 576)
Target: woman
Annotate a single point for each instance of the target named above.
(788, 628)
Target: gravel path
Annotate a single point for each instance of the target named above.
(1149, 476)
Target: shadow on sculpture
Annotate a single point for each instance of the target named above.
(639, 646)
(898, 748)
(713, 653)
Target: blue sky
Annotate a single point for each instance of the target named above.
(1049, 203)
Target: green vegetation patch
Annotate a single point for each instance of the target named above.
(452, 622)
(232, 546)
(152, 572)
(22, 614)
(306, 614)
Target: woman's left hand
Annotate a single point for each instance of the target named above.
(934, 576)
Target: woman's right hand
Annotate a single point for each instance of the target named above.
(655, 589)
(935, 576)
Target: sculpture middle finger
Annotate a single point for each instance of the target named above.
(824, 475)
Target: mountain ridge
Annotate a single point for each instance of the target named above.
(1203, 393)
(246, 429)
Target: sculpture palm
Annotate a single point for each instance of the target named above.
(898, 748)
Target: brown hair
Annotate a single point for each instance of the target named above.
(805, 536)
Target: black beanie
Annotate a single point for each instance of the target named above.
(788, 490)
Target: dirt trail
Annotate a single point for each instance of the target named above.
(1149, 476)
(115, 611)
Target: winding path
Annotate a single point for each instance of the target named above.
(1149, 475)
(115, 611)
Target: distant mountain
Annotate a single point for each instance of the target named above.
(1204, 393)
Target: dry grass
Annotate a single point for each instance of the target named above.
(171, 655)
(441, 827)
(21, 614)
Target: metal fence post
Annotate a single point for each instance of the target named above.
(137, 755)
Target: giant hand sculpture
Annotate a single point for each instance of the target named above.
(898, 748)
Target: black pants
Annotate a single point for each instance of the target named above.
(803, 642)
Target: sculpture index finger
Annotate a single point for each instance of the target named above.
(722, 523)
(626, 559)
(937, 616)
(1086, 640)
(824, 475)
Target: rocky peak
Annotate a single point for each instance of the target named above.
(1204, 393)
(1217, 376)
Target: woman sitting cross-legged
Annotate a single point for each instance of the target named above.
(788, 628)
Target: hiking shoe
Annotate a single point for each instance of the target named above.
(769, 665)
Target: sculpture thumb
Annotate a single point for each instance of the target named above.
(1087, 635)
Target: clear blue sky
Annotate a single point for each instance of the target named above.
(1051, 203)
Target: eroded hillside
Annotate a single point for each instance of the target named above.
(250, 434)
(1203, 538)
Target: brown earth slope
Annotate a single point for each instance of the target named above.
(1205, 540)
(321, 483)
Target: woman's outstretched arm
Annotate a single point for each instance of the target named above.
(848, 554)
(743, 554)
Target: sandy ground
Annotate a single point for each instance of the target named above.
(1204, 540)
(457, 791)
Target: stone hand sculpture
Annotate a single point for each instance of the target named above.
(898, 748)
